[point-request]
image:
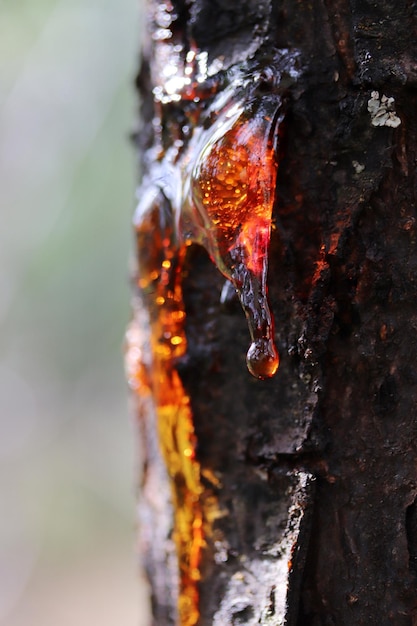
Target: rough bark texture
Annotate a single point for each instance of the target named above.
(315, 470)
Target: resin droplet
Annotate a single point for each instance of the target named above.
(262, 359)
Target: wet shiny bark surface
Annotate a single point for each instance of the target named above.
(307, 481)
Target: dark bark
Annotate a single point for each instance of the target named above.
(309, 479)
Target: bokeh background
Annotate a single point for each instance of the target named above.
(67, 177)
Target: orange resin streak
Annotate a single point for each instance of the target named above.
(160, 291)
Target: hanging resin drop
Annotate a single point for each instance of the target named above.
(231, 191)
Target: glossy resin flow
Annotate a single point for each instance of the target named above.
(217, 190)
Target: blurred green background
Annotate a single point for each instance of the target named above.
(67, 451)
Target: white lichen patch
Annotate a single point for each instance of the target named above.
(358, 167)
(382, 110)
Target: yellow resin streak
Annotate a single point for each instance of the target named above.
(176, 435)
(160, 292)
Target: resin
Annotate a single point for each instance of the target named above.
(158, 279)
(230, 187)
(215, 189)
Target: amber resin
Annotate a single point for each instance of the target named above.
(217, 192)
(228, 210)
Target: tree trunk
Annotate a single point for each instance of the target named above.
(287, 497)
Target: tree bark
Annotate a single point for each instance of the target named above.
(304, 484)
